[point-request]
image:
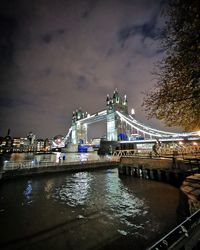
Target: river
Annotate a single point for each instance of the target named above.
(85, 210)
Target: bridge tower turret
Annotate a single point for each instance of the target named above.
(79, 130)
(115, 126)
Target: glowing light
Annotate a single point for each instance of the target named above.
(132, 111)
(102, 112)
(28, 190)
(194, 143)
(180, 143)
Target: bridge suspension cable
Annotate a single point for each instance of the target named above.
(129, 122)
(151, 129)
(68, 135)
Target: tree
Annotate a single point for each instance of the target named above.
(175, 98)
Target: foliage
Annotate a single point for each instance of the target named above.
(176, 96)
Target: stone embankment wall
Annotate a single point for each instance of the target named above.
(168, 170)
(34, 171)
(176, 172)
(155, 163)
(191, 187)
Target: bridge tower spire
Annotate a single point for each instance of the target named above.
(79, 130)
(115, 127)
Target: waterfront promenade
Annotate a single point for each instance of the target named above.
(19, 169)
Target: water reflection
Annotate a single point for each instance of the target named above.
(28, 192)
(87, 210)
(75, 190)
(123, 204)
(109, 196)
(49, 185)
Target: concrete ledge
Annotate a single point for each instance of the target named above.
(158, 163)
(149, 162)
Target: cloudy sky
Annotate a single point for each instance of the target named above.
(56, 56)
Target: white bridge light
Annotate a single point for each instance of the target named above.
(132, 111)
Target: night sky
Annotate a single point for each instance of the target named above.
(56, 56)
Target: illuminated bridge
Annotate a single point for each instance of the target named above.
(121, 126)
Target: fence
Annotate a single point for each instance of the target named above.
(161, 153)
(180, 235)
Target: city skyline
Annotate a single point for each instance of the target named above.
(59, 56)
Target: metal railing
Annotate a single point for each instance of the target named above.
(161, 153)
(180, 235)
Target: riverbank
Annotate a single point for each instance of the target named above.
(170, 170)
(184, 175)
(52, 168)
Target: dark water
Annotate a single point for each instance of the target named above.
(85, 210)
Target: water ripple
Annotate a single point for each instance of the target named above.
(75, 190)
(123, 205)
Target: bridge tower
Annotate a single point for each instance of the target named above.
(79, 130)
(116, 128)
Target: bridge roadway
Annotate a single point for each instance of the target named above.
(97, 117)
